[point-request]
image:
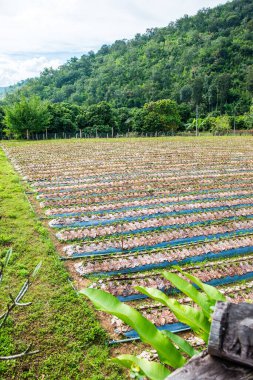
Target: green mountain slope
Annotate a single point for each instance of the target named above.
(204, 59)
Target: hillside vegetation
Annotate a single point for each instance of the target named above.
(203, 62)
(212, 50)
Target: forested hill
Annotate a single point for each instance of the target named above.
(205, 59)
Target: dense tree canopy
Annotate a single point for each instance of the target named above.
(161, 116)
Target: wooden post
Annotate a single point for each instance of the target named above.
(207, 367)
(230, 347)
(231, 334)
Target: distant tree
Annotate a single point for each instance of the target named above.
(249, 117)
(82, 121)
(161, 116)
(249, 80)
(221, 125)
(184, 112)
(123, 120)
(223, 82)
(63, 117)
(138, 115)
(1, 122)
(186, 93)
(100, 118)
(197, 91)
(29, 115)
(197, 96)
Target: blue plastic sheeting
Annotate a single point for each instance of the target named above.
(182, 175)
(173, 327)
(175, 226)
(67, 214)
(132, 191)
(171, 243)
(120, 176)
(67, 180)
(153, 197)
(148, 206)
(214, 282)
(169, 195)
(188, 260)
(103, 222)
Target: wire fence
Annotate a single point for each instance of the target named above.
(83, 135)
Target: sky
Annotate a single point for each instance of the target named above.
(45, 33)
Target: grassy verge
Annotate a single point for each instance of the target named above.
(58, 323)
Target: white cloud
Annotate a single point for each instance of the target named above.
(15, 70)
(53, 26)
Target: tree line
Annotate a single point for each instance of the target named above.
(31, 116)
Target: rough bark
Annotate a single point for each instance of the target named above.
(230, 347)
(207, 367)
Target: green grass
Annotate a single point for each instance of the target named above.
(59, 322)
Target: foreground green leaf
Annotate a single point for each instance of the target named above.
(7, 257)
(212, 293)
(147, 331)
(152, 370)
(186, 314)
(181, 343)
(36, 269)
(185, 287)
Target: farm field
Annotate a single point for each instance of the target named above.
(54, 321)
(123, 211)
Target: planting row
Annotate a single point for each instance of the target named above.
(149, 193)
(137, 179)
(151, 224)
(123, 287)
(171, 183)
(158, 237)
(107, 217)
(145, 203)
(137, 176)
(167, 256)
(161, 315)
